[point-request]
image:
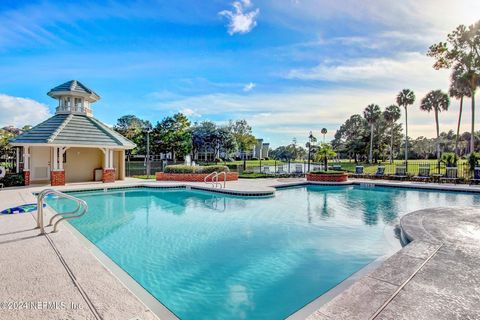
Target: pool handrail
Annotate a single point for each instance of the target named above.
(224, 178)
(82, 207)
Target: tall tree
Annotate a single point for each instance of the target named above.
(459, 88)
(391, 115)
(405, 98)
(371, 113)
(173, 135)
(133, 128)
(244, 138)
(435, 101)
(461, 48)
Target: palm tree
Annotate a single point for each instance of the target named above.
(392, 114)
(324, 153)
(324, 132)
(405, 98)
(435, 101)
(371, 114)
(459, 88)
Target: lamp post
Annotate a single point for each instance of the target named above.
(311, 140)
(148, 130)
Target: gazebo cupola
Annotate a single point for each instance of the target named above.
(74, 98)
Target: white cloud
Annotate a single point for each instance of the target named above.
(18, 112)
(278, 117)
(249, 87)
(190, 112)
(240, 20)
(405, 69)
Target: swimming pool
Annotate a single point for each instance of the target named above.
(213, 256)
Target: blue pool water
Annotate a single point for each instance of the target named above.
(214, 256)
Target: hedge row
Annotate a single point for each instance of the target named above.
(327, 172)
(180, 168)
(12, 180)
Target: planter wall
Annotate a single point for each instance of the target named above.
(191, 177)
(327, 177)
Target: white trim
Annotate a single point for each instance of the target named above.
(116, 147)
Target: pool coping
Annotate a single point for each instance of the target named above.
(313, 307)
(152, 303)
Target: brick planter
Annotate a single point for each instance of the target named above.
(108, 175)
(334, 177)
(191, 177)
(57, 178)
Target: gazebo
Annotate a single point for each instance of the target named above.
(72, 146)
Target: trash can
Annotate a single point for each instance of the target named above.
(98, 174)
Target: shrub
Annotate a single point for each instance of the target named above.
(12, 180)
(327, 172)
(450, 159)
(180, 168)
(254, 158)
(267, 158)
(210, 169)
(473, 160)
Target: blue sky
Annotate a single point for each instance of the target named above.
(288, 66)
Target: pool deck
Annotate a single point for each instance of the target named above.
(60, 276)
(436, 276)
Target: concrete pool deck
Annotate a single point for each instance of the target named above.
(436, 276)
(58, 276)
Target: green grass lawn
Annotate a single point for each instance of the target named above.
(251, 163)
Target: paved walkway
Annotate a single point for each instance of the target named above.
(436, 276)
(55, 276)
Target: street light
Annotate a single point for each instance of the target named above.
(147, 130)
(311, 140)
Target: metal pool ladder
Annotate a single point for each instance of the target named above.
(214, 179)
(81, 208)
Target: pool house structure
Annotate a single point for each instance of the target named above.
(71, 146)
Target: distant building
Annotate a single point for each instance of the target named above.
(259, 151)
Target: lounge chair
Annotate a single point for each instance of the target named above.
(400, 173)
(423, 174)
(358, 172)
(337, 167)
(280, 170)
(476, 176)
(266, 169)
(451, 175)
(380, 172)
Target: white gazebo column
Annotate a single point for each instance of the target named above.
(26, 165)
(57, 174)
(108, 169)
(17, 160)
(121, 168)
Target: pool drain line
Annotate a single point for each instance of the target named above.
(385, 304)
(74, 279)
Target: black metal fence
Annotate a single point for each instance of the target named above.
(139, 168)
